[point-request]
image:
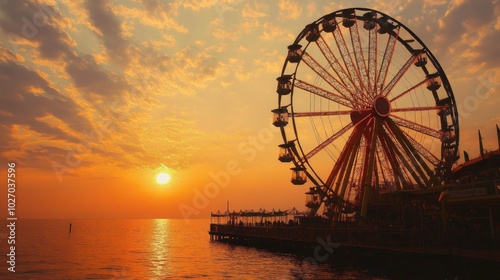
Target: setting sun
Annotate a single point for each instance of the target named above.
(163, 178)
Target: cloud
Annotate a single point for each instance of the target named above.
(489, 48)
(54, 44)
(29, 101)
(221, 32)
(467, 32)
(290, 9)
(27, 91)
(88, 76)
(435, 2)
(254, 10)
(157, 14)
(271, 33)
(467, 16)
(33, 23)
(108, 28)
(84, 107)
(185, 71)
(269, 61)
(175, 140)
(34, 103)
(311, 9)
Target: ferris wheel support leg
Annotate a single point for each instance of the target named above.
(343, 158)
(402, 158)
(371, 160)
(413, 150)
(346, 175)
(340, 167)
(409, 151)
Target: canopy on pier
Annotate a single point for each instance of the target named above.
(253, 217)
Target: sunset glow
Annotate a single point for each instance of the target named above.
(97, 95)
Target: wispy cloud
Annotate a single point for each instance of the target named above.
(156, 14)
(109, 29)
(290, 9)
(467, 32)
(254, 10)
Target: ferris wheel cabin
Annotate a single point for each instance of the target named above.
(299, 176)
(285, 154)
(284, 85)
(280, 117)
(313, 198)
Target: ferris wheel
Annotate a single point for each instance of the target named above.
(364, 108)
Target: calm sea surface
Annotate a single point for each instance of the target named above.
(172, 249)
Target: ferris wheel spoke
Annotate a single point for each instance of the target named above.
(430, 157)
(327, 141)
(349, 64)
(416, 109)
(326, 94)
(410, 90)
(327, 77)
(358, 55)
(372, 61)
(328, 113)
(419, 128)
(345, 79)
(402, 71)
(386, 60)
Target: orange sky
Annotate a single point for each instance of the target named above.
(99, 96)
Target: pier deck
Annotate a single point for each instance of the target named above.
(362, 240)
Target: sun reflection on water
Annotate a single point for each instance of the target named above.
(159, 248)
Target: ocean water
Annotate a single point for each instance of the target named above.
(173, 249)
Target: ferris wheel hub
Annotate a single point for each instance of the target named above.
(382, 106)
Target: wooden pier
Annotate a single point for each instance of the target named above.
(359, 240)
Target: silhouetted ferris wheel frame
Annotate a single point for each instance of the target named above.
(364, 107)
